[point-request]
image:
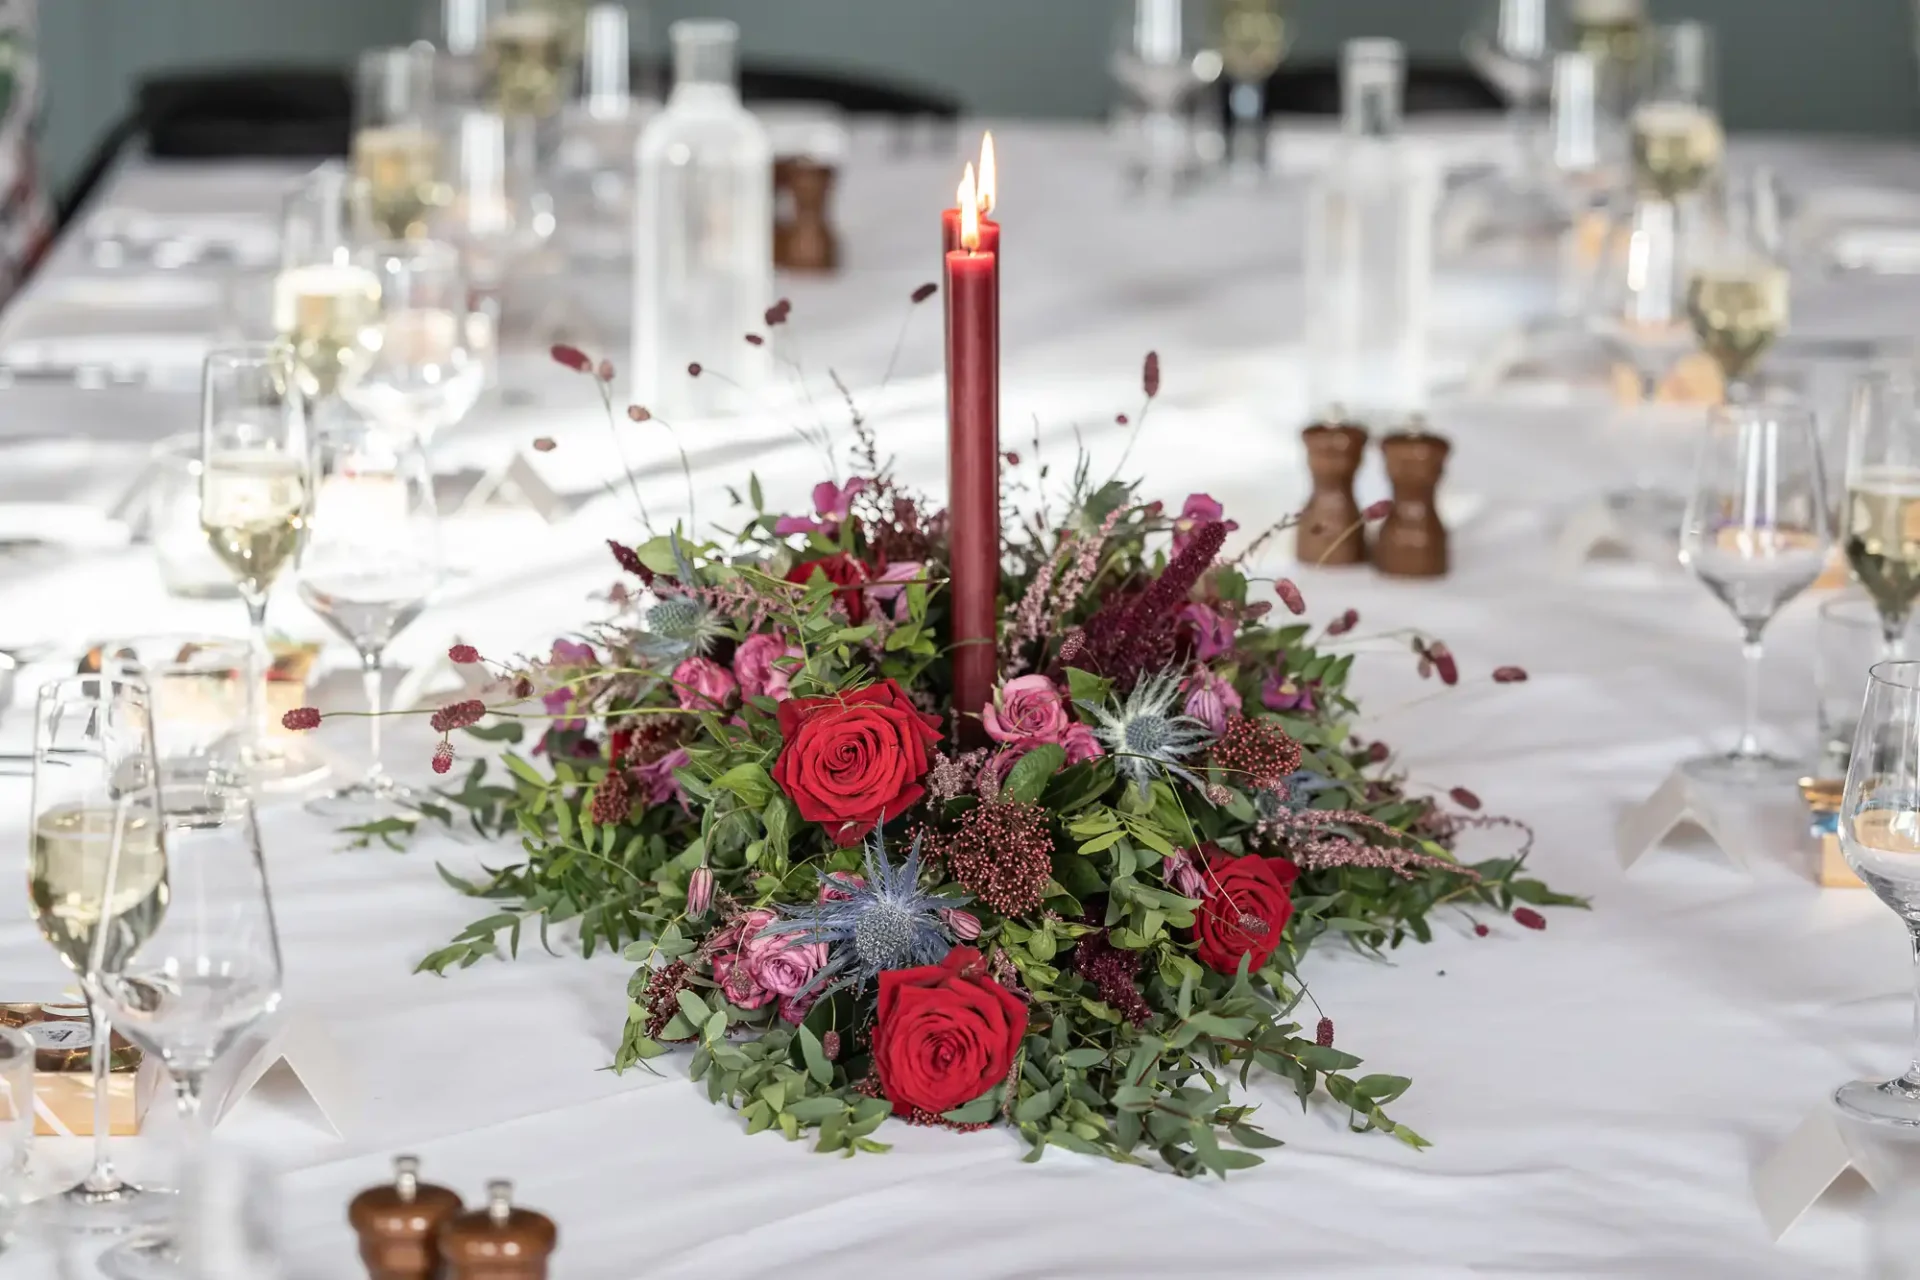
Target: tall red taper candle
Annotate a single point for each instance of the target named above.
(973, 464)
(986, 190)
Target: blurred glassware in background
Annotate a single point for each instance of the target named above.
(1162, 57)
(1615, 34)
(703, 234)
(1677, 139)
(418, 371)
(395, 143)
(457, 31)
(1512, 47)
(195, 982)
(198, 689)
(230, 1217)
(496, 215)
(1846, 644)
(1880, 522)
(1254, 39)
(16, 1128)
(1757, 534)
(188, 567)
(1369, 251)
(530, 51)
(600, 133)
(1638, 301)
(371, 564)
(1738, 288)
(322, 300)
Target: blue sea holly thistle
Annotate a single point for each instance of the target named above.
(1146, 736)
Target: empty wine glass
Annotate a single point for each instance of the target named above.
(1512, 48)
(1738, 286)
(1677, 138)
(1880, 518)
(1254, 38)
(396, 150)
(1880, 836)
(371, 564)
(419, 371)
(96, 801)
(1757, 534)
(1162, 58)
(16, 1125)
(256, 488)
(321, 299)
(192, 987)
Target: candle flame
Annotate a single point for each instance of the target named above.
(989, 175)
(969, 201)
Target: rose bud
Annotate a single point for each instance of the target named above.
(964, 925)
(699, 892)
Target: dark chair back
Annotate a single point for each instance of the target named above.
(1313, 89)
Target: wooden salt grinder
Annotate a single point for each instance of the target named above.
(498, 1242)
(1330, 530)
(803, 235)
(399, 1225)
(1412, 543)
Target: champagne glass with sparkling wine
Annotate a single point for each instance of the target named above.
(1738, 292)
(256, 487)
(1757, 533)
(396, 149)
(372, 562)
(96, 800)
(1253, 41)
(1880, 836)
(190, 988)
(1677, 139)
(321, 298)
(1880, 519)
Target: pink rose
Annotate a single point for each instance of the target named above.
(1081, 744)
(781, 963)
(1212, 631)
(1200, 510)
(656, 781)
(1028, 710)
(734, 975)
(753, 966)
(757, 667)
(703, 684)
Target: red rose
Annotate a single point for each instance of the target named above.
(843, 571)
(946, 1033)
(849, 759)
(1246, 908)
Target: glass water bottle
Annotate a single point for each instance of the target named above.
(703, 247)
(1369, 253)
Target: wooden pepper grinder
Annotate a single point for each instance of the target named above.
(1412, 543)
(399, 1225)
(803, 235)
(498, 1242)
(1330, 529)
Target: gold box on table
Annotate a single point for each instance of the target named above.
(1823, 804)
(63, 1072)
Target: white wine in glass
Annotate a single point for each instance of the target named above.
(1738, 312)
(1676, 147)
(1882, 525)
(321, 310)
(527, 61)
(253, 509)
(67, 875)
(400, 165)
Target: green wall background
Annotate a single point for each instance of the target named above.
(1835, 66)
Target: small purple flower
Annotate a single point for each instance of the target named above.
(656, 781)
(1211, 699)
(1282, 692)
(1182, 871)
(832, 503)
(892, 585)
(566, 654)
(1200, 510)
(1212, 630)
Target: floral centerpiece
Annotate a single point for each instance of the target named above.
(1081, 914)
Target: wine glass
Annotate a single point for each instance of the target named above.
(195, 983)
(496, 210)
(17, 1052)
(256, 489)
(321, 299)
(371, 563)
(1512, 48)
(96, 801)
(1677, 139)
(396, 151)
(1880, 836)
(1161, 58)
(1880, 516)
(1254, 38)
(418, 371)
(1738, 287)
(1757, 532)
(531, 49)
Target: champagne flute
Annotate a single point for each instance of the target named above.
(193, 986)
(96, 799)
(396, 151)
(1254, 38)
(256, 472)
(1880, 836)
(1677, 139)
(1880, 520)
(1757, 532)
(531, 46)
(420, 371)
(371, 563)
(1737, 292)
(321, 298)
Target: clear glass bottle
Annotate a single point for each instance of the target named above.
(703, 244)
(1369, 253)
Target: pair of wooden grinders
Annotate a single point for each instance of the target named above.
(410, 1229)
(1411, 543)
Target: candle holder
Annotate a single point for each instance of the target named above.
(1330, 531)
(1412, 542)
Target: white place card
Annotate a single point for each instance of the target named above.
(1592, 532)
(1678, 802)
(517, 483)
(1806, 1166)
(312, 1058)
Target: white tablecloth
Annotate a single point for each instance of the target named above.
(1597, 1094)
